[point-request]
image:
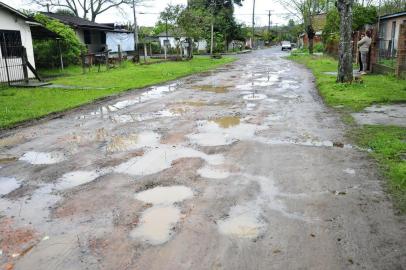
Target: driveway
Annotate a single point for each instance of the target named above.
(243, 167)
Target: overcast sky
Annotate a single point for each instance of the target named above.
(243, 14)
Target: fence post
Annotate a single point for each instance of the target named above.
(145, 52)
(24, 62)
(83, 59)
(401, 59)
(120, 55)
(107, 60)
(374, 49)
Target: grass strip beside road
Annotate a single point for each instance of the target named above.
(387, 142)
(23, 104)
(389, 149)
(375, 89)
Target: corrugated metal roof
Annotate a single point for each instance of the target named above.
(394, 15)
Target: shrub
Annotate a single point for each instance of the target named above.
(47, 51)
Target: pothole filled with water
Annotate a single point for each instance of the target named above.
(43, 158)
(213, 88)
(165, 195)
(8, 184)
(155, 225)
(161, 158)
(242, 222)
(254, 97)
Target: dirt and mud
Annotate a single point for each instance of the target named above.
(237, 168)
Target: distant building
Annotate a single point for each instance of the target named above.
(96, 36)
(171, 41)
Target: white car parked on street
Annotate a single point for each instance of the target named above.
(286, 45)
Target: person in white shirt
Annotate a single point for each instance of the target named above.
(363, 47)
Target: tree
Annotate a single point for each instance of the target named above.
(306, 10)
(85, 8)
(344, 46)
(392, 6)
(195, 23)
(222, 13)
(361, 16)
(169, 17)
(47, 52)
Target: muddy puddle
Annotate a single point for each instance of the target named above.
(157, 223)
(8, 184)
(76, 178)
(34, 209)
(12, 140)
(218, 89)
(153, 93)
(213, 172)
(242, 222)
(165, 195)
(4, 159)
(129, 142)
(43, 158)
(161, 158)
(227, 121)
(349, 171)
(213, 134)
(254, 97)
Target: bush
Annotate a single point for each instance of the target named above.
(318, 47)
(47, 51)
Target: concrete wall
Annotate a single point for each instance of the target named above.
(9, 21)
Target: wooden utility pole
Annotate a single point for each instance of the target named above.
(269, 21)
(253, 25)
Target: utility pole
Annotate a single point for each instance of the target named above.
(269, 21)
(166, 37)
(135, 33)
(212, 28)
(253, 25)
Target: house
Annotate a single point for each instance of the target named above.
(15, 33)
(389, 31)
(319, 21)
(172, 41)
(97, 37)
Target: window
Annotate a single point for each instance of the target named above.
(87, 37)
(10, 43)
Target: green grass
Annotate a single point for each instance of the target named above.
(387, 142)
(135, 76)
(389, 148)
(355, 97)
(22, 104)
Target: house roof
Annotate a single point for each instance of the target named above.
(12, 10)
(78, 22)
(393, 15)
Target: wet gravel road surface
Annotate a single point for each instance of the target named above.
(242, 167)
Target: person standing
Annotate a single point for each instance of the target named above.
(363, 47)
(359, 55)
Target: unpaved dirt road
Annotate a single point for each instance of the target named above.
(239, 168)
